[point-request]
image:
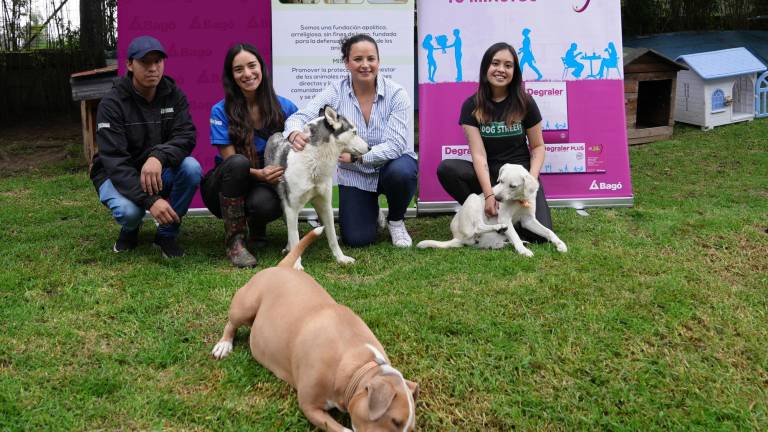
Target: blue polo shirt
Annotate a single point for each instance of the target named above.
(220, 124)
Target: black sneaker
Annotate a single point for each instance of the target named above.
(126, 240)
(169, 247)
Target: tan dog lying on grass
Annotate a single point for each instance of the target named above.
(321, 348)
(516, 194)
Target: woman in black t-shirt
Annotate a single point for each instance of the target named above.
(501, 122)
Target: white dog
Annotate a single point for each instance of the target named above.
(308, 173)
(516, 194)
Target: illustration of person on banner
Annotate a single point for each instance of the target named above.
(610, 62)
(571, 60)
(457, 54)
(526, 55)
(380, 109)
(502, 124)
(431, 63)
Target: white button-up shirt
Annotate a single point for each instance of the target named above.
(386, 131)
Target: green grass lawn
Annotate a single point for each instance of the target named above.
(656, 318)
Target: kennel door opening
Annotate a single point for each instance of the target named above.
(653, 103)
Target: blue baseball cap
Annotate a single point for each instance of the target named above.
(142, 45)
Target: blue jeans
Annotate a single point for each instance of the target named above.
(179, 186)
(359, 209)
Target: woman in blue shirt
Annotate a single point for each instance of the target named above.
(380, 109)
(240, 188)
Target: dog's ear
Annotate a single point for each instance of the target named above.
(380, 395)
(331, 117)
(501, 172)
(531, 186)
(414, 388)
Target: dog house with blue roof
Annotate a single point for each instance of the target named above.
(718, 88)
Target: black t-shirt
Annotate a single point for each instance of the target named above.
(503, 144)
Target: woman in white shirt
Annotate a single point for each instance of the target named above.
(380, 109)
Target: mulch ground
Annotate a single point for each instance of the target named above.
(31, 146)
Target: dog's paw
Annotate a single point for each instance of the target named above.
(524, 251)
(297, 265)
(345, 260)
(221, 350)
(561, 247)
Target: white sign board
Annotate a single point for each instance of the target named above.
(306, 39)
(565, 158)
(552, 100)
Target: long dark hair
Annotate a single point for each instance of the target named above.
(241, 128)
(346, 44)
(515, 105)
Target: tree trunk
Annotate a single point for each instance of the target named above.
(92, 35)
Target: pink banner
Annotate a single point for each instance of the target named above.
(196, 36)
(570, 58)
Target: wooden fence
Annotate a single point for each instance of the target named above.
(36, 84)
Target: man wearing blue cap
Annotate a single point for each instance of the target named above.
(145, 136)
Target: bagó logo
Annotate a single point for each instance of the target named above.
(605, 186)
(583, 8)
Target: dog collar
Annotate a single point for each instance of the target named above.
(355, 381)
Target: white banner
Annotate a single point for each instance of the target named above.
(557, 40)
(306, 36)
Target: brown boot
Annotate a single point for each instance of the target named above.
(233, 213)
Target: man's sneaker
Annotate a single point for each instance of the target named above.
(399, 234)
(126, 240)
(169, 247)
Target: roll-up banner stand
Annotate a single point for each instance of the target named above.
(306, 53)
(570, 53)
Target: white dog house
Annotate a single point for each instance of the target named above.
(718, 89)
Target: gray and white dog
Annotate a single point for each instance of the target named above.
(308, 173)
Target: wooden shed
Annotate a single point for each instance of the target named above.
(89, 87)
(649, 94)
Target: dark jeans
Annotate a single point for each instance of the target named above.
(232, 179)
(359, 209)
(458, 178)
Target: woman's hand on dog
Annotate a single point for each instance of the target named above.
(269, 174)
(491, 205)
(298, 140)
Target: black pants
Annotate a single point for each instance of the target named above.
(458, 178)
(232, 179)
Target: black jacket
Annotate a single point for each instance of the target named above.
(129, 130)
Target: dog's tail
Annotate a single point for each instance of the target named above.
(296, 252)
(453, 243)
